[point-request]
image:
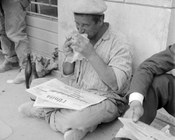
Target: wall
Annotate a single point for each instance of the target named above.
(171, 35)
(43, 35)
(42, 26)
(145, 22)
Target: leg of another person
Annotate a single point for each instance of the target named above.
(160, 94)
(15, 25)
(170, 105)
(7, 47)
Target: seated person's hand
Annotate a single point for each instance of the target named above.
(135, 111)
(83, 45)
(76, 47)
(67, 47)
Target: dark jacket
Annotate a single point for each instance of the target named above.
(158, 64)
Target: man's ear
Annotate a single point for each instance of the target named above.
(102, 18)
(173, 48)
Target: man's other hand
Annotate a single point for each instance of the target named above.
(135, 111)
(66, 48)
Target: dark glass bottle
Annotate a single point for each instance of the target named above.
(34, 74)
(28, 71)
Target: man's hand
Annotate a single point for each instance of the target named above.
(83, 46)
(66, 48)
(135, 111)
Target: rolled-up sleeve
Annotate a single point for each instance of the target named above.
(121, 61)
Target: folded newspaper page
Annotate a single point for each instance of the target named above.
(56, 94)
(41, 103)
(141, 131)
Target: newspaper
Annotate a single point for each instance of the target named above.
(141, 131)
(56, 94)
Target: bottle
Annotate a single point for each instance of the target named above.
(28, 71)
(34, 74)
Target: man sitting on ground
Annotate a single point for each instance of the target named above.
(105, 66)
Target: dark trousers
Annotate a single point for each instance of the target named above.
(160, 94)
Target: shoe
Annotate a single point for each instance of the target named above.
(27, 109)
(74, 134)
(20, 78)
(7, 65)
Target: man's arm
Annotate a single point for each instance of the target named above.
(68, 68)
(157, 64)
(115, 73)
(105, 72)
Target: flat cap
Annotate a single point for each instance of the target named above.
(89, 7)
